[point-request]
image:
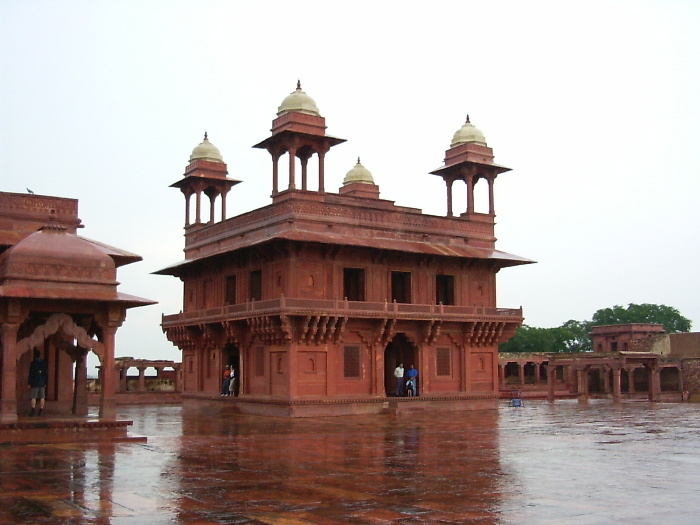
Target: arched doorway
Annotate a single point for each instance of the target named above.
(64, 344)
(399, 350)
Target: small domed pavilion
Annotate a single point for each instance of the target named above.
(58, 294)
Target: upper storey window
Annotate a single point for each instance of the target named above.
(354, 284)
(256, 285)
(401, 287)
(445, 289)
(231, 289)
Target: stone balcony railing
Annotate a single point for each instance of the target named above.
(341, 308)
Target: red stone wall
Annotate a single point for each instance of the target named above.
(691, 376)
(685, 345)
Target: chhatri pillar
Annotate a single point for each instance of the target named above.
(299, 131)
(205, 174)
(469, 159)
(8, 403)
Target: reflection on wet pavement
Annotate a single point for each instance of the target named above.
(541, 464)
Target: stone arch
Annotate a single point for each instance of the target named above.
(53, 324)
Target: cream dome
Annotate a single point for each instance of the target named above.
(298, 101)
(206, 151)
(468, 133)
(358, 174)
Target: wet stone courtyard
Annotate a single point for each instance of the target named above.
(561, 463)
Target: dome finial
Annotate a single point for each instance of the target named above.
(206, 151)
(468, 133)
(358, 174)
(53, 225)
(298, 101)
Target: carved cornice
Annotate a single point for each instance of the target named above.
(39, 204)
(58, 272)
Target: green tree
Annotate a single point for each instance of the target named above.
(532, 339)
(577, 339)
(573, 336)
(669, 317)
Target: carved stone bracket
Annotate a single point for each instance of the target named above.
(184, 337)
(211, 335)
(386, 332)
(234, 333)
(270, 329)
(320, 329)
(457, 343)
(432, 332)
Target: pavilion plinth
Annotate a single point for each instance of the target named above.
(48, 430)
(324, 407)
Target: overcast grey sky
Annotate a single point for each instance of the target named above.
(594, 105)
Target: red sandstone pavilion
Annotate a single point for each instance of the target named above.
(58, 294)
(315, 298)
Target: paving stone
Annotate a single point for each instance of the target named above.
(595, 463)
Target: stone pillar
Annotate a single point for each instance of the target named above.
(551, 382)
(654, 384)
(521, 374)
(470, 193)
(321, 172)
(8, 403)
(187, 194)
(582, 383)
(292, 166)
(304, 163)
(449, 184)
(501, 375)
(142, 379)
(123, 373)
(537, 372)
(491, 199)
(108, 400)
(223, 204)
(616, 386)
(606, 379)
(198, 211)
(81, 404)
(212, 207)
(275, 172)
(630, 379)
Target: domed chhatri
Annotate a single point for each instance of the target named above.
(468, 133)
(206, 151)
(358, 174)
(298, 101)
(41, 253)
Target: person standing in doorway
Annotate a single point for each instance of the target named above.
(226, 382)
(38, 379)
(232, 383)
(412, 376)
(398, 374)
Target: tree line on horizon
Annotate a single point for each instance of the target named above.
(572, 336)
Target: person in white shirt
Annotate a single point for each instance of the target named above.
(398, 374)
